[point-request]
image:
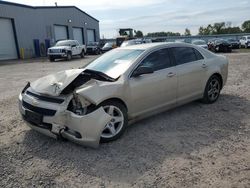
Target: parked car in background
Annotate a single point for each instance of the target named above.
(219, 45)
(96, 102)
(201, 43)
(147, 41)
(235, 43)
(129, 43)
(66, 49)
(180, 40)
(135, 42)
(245, 41)
(93, 48)
(108, 46)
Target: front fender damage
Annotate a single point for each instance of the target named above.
(89, 126)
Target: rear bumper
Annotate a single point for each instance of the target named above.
(235, 46)
(91, 50)
(223, 48)
(85, 130)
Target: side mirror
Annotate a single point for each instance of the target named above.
(142, 70)
(73, 45)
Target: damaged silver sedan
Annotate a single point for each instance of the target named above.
(96, 102)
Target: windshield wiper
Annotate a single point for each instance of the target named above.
(99, 75)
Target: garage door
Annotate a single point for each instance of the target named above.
(77, 35)
(60, 32)
(90, 35)
(7, 40)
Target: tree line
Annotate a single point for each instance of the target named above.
(210, 29)
(224, 28)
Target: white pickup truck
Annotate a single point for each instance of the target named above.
(245, 41)
(66, 49)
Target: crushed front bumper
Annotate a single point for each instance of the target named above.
(85, 130)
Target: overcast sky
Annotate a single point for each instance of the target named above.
(156, 15)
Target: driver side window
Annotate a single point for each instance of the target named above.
(157, 60)
(71, 43)
(76, 43)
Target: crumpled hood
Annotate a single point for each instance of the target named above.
(53, 84)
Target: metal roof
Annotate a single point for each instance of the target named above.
(45, 7)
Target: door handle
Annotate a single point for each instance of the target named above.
(204, 65)
(171, 74)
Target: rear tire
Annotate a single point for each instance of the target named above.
(116, 127)
(212, 90)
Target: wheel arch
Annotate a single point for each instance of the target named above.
(115, 99)
(219, 76)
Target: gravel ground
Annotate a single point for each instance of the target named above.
(195, 145)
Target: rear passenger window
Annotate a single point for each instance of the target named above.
(184, 55)
(198, 54)
(157, 60)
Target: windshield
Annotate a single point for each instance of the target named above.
(199, 42)
(115, 62)
(93, 44)
(63, 43)
(108, 45)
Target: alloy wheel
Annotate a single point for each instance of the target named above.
(115, 125)
(213, 89)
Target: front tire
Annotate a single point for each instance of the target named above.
(212, 90)
(69, 56)
(117, 125)
(51, 59)
(82, 54)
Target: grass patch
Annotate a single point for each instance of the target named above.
(244, 50)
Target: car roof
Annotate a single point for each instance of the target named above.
(66, 40)
(148, 46)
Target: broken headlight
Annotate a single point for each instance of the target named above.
(79, 105)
